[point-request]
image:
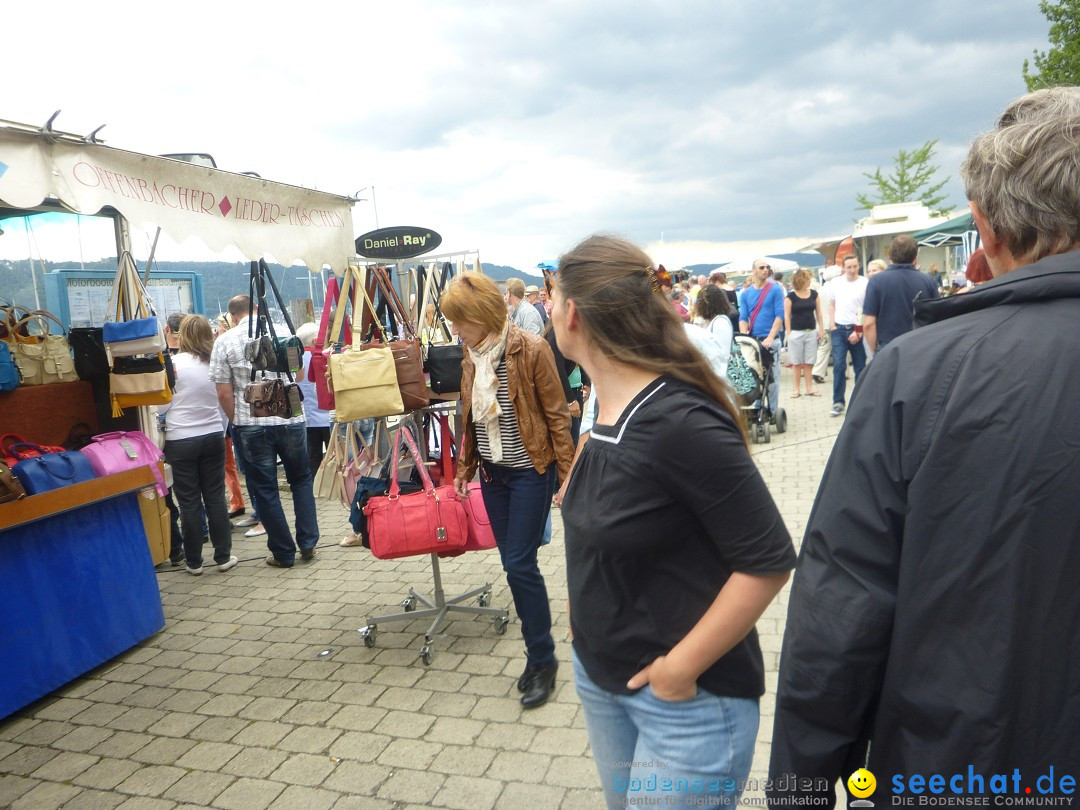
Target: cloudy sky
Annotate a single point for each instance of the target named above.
(519, 128)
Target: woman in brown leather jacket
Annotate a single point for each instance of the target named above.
(516, 429)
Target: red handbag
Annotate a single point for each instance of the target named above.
(428, 522)
(14, 448)
(320, 351)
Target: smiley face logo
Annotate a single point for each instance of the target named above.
(862, 783)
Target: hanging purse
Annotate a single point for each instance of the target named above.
(88, 346)
(288, 350)
(269, 397)
(408, 357)
(443, 354)
(427, 522)
(46, 357)
(365, 381)
(9, 372)
(318, 369)
(122, 334)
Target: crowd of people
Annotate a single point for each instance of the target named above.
(932, 616)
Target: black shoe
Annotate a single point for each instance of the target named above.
(237, 512)
(818, 379)
(526, 678)
(541, 686)
(307, 554)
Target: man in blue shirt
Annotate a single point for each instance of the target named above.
(765, 321)
(890, 295)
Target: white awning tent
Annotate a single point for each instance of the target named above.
(259, 217)
(744, 264)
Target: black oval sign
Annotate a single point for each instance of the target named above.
(402, 242)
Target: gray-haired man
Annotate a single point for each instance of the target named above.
(932, 622)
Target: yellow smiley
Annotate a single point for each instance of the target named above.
(862, 783)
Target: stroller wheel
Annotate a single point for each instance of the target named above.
(766, 433)
(780, 420)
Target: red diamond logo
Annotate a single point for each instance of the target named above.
(225, 206)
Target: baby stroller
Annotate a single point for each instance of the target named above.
(761, 413)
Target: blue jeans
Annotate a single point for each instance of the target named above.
(262, 446)
(517, 503)
(241, 467)
(840, 348)
(199, 484)
(668, 751)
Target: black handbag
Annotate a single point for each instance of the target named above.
(88, 348)
(444, 367)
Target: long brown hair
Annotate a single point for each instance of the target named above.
(610, 281)
(196, 337)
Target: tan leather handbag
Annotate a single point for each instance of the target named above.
(44, 357)
(364, 378)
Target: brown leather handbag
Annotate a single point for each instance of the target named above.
(11, 489)
(408, 357)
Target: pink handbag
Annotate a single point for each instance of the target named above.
(481, 537)
(125, 450)
(359, 460)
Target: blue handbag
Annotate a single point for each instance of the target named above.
(9, 372)
(53, 471)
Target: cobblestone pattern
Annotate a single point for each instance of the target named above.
(231, 705)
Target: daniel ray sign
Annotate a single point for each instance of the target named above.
(402, 242)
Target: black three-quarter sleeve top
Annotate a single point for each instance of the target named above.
(662, 507)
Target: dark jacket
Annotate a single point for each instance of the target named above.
(536, 395)
(890, 298)
(935, 606)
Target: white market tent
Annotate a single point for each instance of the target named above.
(42, 169)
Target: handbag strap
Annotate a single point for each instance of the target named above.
(264, 269)
(410, 442)
(22, 329)
(331, 297)
(346, 298)
(265, 321)
(382, 277)
(446, 445)
(761, 302)
(378, 325)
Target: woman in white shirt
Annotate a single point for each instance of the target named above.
(711, 313)
(195, 447)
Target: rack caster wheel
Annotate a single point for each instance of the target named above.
(425, 655)
(409, 604)
(500, 626)
(368, 634)
(484, 599)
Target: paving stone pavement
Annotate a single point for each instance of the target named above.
(231, 705)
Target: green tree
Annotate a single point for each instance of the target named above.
(911, 180)
(1061, 64)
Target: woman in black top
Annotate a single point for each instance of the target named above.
(804, 327)
(674, 546)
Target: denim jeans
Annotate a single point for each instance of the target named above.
(262, 446)
(517, 503)
(840, 348)
(668, 751)
(199, 483)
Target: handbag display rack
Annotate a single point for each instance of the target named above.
(437, 607)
